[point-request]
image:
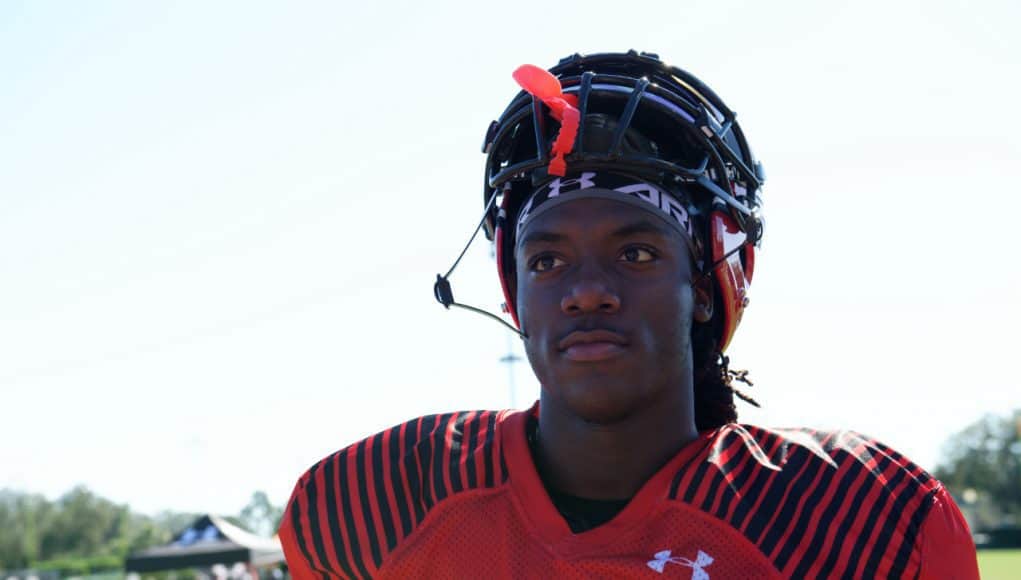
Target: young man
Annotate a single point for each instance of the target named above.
(623, 200)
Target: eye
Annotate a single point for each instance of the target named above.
(545, 262)
(637, 255)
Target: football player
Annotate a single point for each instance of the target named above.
(624, 203)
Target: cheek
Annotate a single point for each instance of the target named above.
(518, 293)
(533, 307)
(529, 307)
(668, 315)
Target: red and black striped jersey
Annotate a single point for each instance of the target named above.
(458, 496)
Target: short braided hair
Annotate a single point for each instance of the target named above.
(714, 381)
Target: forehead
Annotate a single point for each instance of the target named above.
(592, 218)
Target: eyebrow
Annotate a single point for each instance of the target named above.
(639, 227)
(541, 236)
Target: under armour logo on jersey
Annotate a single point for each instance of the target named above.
(661, 559)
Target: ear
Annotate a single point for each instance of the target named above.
(703, 293)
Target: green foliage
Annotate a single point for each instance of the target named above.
(982, 464)
(81, 533)
(261, 516)
(24, 519)
(83, 524)
(71, 566)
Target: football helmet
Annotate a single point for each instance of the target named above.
(692, 145)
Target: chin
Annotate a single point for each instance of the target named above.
(598, 402)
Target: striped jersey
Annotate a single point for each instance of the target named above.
(458, 496)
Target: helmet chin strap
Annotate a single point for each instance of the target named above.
(709, 271)
(445, 295)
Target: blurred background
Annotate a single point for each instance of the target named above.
(220, 224)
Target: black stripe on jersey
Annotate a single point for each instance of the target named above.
(796, 491)
(917, 473)
(439, 436)
(349, 519)
(689, 494)
(744, 506)
(487, 464)
(899, 506)
(424, 451)
(801, 526)
(312, 493)
(889, 526)
(855, 507)
(411, 467)
(908, 543)
(676, 483)
(870, 522)
(472, 430)
(397, 482)
(713, 488)
(363, 498)
(332, 522)
(744, 470)
(456, 451)
(310, 497)
(729, 491)
(732, 444)
(729, 496)
(814, 551)
(379, 475)
(773, 495)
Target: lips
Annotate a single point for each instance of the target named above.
(592, 345)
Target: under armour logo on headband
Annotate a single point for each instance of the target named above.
(608, 186)
(584, 181)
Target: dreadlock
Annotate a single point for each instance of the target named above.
(714, 381)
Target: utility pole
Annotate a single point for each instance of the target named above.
(509, 359)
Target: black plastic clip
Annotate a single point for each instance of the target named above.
(444, 295)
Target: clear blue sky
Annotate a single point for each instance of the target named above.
(220, 222)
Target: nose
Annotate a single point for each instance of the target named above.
(590, 296)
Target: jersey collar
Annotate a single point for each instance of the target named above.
(536, 508)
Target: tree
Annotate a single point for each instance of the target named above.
(24, 519)
(983, 462)
(260, 516)
(79, 531)
(82, 532)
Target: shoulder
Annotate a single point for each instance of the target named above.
(354, 506)
(839, 466)
(819, 503)
(811, 452)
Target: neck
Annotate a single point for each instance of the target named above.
(609, 460)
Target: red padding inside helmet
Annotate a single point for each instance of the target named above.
(730, 275)
(498, 238)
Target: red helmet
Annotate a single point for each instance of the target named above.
(693, 146)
